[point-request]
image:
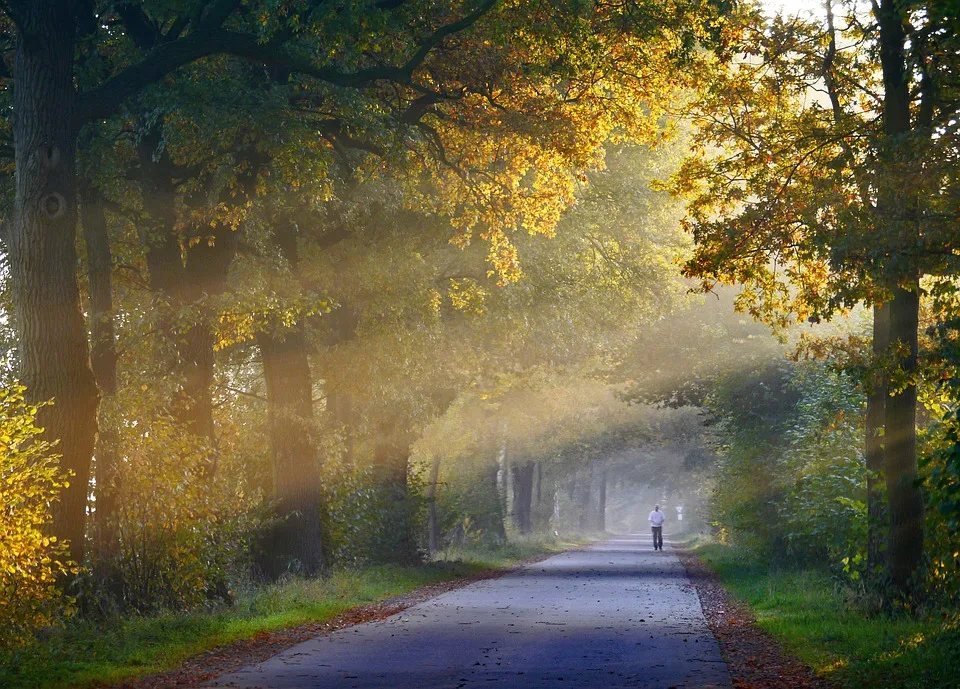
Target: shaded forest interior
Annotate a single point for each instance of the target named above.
(294, 290)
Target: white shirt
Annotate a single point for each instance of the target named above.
(657, 517)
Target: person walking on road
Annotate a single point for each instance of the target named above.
(656, 523)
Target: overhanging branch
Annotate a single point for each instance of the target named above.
(166, 58)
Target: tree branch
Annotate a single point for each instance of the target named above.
(105, 100)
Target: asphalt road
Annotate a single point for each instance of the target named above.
(617, 614)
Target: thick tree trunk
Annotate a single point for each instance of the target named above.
(103, 358)
(905, 545)
(391, 461)
(54, 359)
(433, 527)
(876, 404)
(523, 496)
(296, 542)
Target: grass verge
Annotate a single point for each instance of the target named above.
(88, 654)
(815, 620)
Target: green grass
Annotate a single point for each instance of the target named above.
(87, 654)
(814, 620)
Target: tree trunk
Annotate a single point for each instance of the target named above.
(103, 359)
(602, 503)
(433, 527)
(340, 397)
(583, 501)
(391, 461)
(296, 542)
(876, 404)
(185, 278)
(496, 518)
(54, 359)
(539, 483)
(523, 496)
(205, 271)
(905, 545)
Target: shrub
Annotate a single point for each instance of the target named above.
(184, 518)
(32, 562)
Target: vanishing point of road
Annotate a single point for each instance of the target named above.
(616, 614)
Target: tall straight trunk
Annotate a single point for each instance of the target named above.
(602, 503)
(103, 359)
(296, 541)
(433, 527)
(195, 346)
(585, 522)
(185, 277)
(497, 527)
(876, 405)
(523, 496)
(391, 460)
(206, 269)
(905, 546)
(539, 489)
(339, 399)
(54, 359)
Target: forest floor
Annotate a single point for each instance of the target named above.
(782, 628)
(183, 649)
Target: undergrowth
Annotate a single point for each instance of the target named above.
(828, 626)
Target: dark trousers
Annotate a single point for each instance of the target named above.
(657, 537)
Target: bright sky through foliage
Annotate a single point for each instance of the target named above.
(793, 7)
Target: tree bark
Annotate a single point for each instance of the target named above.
(54, 359)
(602, 503)
(497, 527)
(875, 460)
(296, 542)
(433, 527)
(340, 399)
(905, 546)
(539, 497)
(185, 276)
(391, 461)
(103, 359)
(583, 502)
(523, 496)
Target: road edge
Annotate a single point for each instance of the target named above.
(754, 659)
(223, 660)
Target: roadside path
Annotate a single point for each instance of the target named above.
(616, 614)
